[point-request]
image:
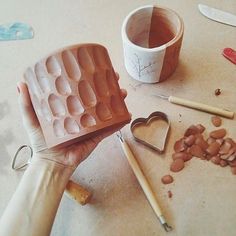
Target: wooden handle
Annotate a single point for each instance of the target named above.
(141, 179)
(201, 107)
(78, 193)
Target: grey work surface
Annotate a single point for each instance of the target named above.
(203, 201)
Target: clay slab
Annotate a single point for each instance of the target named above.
(75, 94)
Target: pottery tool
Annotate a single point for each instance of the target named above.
(197, 106)
(15, 31)
(73, 190)
(152, 131)
(217, 15)
(143, 182)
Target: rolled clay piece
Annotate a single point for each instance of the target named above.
(177, 165)
(216, 121)
(167, 179)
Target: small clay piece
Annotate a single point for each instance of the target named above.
(216, 160)
(182, 155)
(202, 143)
(211, 140)
(213, 149)
(216, 121)
(167, 179)
(225, 147)
(190, 140)
(217, 92)
(201, 128)
(196, 151)
(230, 155)
(192, 130)
(232, 163)
(180, 145)
(233, 170)
(219, 133)
(177, 165)
(223, 163)
(220, 141)
(170, 194)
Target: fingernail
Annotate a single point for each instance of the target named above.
(18, 89)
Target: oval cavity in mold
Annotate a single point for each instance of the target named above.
(101, 84)
(103, 112)
(101, 57)
(87, 121)
(31, 80)
(111, 79)
(53, 66)
(116, 105)
(85, 60)
(45, 111)
(62, 86)
(58, 128)
(71, 126)
(71, 65)
(56, 105)
(74, 106)
(41, 75)
(86, 93)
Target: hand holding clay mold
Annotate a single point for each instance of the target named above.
(75, 94)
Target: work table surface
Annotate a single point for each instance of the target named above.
(203, 201)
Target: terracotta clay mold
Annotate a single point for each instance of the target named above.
(152, 131)
(75, 94)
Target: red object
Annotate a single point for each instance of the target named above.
(230, 54)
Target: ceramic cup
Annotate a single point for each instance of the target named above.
(152, 38)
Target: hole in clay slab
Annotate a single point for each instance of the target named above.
(154, 28)
(58, 128)
(45, 111)
(71, 65)
(87, 120)
(86, 93)
(56, 105)
(103, 112)
(41, 75)
(117, 105)
(85, 60)
(53, 66)
(101, 84)
(101, 57)
(71, 126)
(32, 82)
(62, 86)
(74, 106)
(111, 80)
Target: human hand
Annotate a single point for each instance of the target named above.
(69, 156)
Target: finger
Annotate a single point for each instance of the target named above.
(27, 111)
(117, 76)
(123, 93)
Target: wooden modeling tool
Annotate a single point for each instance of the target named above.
(143, 182)
(197, 106)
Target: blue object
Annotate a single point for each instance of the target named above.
(16, 31)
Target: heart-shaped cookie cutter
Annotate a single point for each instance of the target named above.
(147, 122)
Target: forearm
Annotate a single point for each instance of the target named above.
(33, 206)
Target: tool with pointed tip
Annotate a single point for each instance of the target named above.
(217, 15)
(143, 181)
(197, 106)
